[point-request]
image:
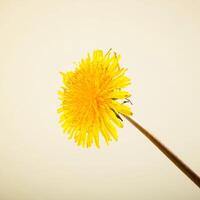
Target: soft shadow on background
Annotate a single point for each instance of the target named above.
(160, 44)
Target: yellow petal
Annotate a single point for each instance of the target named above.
(120, 94)
(123, 109)
(111, 129)
(104, 132)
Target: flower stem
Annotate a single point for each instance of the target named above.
(180, 164)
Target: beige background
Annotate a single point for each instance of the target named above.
(160, 44)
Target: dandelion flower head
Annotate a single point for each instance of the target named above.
(92, 99)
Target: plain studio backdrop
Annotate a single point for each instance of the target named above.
(159, 41)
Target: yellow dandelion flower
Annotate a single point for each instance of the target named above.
(91, 99)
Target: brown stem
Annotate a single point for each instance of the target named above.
(180, 164)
